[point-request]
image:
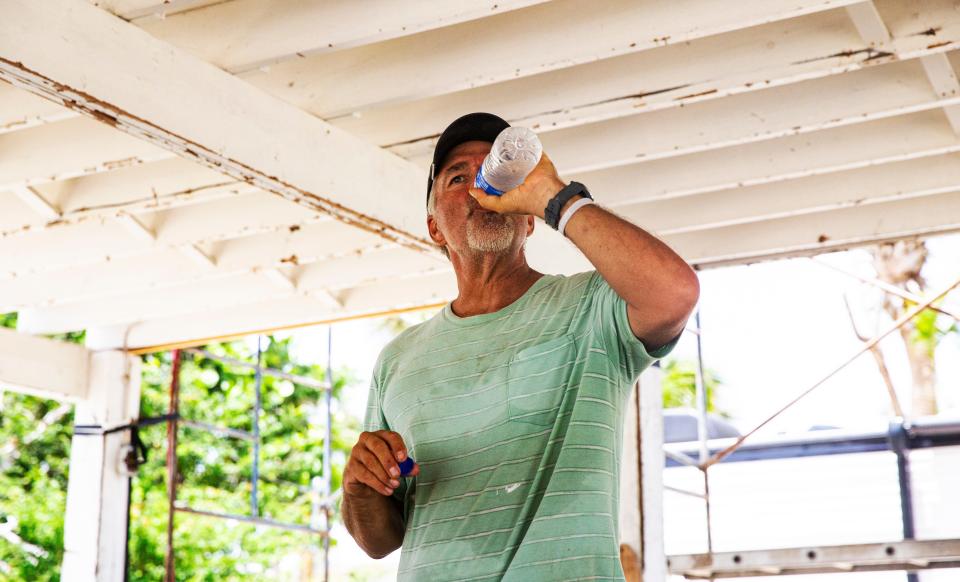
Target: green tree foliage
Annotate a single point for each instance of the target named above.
(680, 388)
(928, 329)
(34, 445)
(215, 470)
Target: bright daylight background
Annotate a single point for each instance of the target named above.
(769, 330)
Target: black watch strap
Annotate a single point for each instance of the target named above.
(551, 214)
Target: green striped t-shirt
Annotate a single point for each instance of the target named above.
(516, 420)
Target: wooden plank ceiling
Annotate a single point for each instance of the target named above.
(178, 170)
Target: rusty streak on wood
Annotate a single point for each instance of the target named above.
(932, 31)
(872, 54)
(694, 95)
(634, 96)
(101, 111)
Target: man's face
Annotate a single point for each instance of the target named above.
(458, 221)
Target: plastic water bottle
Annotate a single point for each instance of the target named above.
(514, 154)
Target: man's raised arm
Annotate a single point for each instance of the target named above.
(659, 287)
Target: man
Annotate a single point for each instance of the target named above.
(512, 399)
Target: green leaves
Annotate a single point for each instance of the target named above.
(215, 470)
(680, 388)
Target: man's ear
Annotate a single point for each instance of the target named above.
(531, 221)
(434, 231)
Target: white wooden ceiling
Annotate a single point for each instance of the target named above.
(179, 170)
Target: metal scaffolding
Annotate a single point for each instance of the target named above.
(322, 500)
(906, 554)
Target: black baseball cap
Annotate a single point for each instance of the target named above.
(470, 127)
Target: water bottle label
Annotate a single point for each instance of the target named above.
(483, 185)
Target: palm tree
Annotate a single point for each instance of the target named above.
(900, 264)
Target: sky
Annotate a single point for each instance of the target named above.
(769, 331)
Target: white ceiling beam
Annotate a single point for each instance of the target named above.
(923, 19)
(355, 270)
(821, 45)
(136, 228)
(36, 202)
(821, 232)
(789, 236)
(223, 291)
(740, 61)
(43, 367)
(944, 80)
(147, 187)
(293, 311)
(14, 212)
(228, 125)
(150, 9)
(919, 135)
(142, 189)
(96, 239)
(244, 35)
(161, 267)
(869, 23)
(76, 147)
(164, 268)
(20, 110)
(151, 269)
(75, 245)
(732, 245)
(858, 97)
(279, 278)
(147, 235)
(294, 245)
(908, 180)
(325, 297)
(737, 121)
(508, 46)
(197, 255)
(871, 27)
(228, 218)
(941, 75)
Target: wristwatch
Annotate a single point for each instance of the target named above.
(551, 214)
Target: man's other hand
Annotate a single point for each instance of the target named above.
(374, 464)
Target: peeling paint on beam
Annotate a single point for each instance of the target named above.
(34, 121)
(218, 274)
(792, 175)
(21, 76)
(821, 245)
(638, 103)
(154, 203)
(755, 137)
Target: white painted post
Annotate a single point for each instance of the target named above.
(96, 520)
(630, 516)
(653, 557)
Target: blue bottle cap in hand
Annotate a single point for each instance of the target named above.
(406, 466)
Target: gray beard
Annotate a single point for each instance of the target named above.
(492, 234)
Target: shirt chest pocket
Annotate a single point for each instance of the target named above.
(537, 379)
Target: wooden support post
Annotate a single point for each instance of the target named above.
(630, 514)
(95, 529)
(652, 553)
